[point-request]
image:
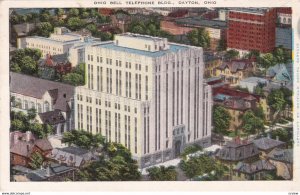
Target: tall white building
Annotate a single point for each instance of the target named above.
(147, 94)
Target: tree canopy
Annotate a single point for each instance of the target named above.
(199, 37)
(221, 119)
(251, 123)
(162, 173)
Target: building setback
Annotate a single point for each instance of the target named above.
(147, 94)
(251, 29)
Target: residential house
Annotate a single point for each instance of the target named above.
(44, 96)
(236, 102)
(72, 156)
(54, 66)
(253, 171)
(211, 61)
(235, 70)
(283, 160)
(237, 151)
(265, 145)
(281, 73)
(23, 145)
(50, 172)
(252, 82)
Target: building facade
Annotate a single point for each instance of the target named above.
(251, 29)
(147, 94)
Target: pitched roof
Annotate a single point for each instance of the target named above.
(49, 171)
(36, 87)
(237, 152)
(236, 65)
(22, 148)
(257, 166)
(52, 117)
(43, 144)
(280, 72)
(266, 143)
(283, 155)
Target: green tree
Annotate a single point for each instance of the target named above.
(17, 125)
(267, 61)
(29, 66)
(199, 37)
(276, 100)
(162, 173)
(59, 12)
(116, 165)
(281, 55)
(75, 23)
(73, 12)
(252, 124)
(31, 114)
(44, 29)
(197, 166)
(222, 45)
(83, 139)
(91, 27)
(190, 150)
(282, 134)
(73, 79)
(45, 17)
(138, 29)
(221, 119)
(231, 54)
(253, 54)
(36, 160)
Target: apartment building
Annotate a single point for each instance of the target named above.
(147, 94)
(251, 29)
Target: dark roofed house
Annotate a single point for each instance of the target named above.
(266, 145)
(235, 70)
(23, 145)
(54, 66)
(253, 171)
(53, 98)
(234, 152)
(52, 172)
(72, 156)
(283, 160)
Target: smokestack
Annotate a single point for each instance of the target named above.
(28, 135)
(27, 27)
(16, 138)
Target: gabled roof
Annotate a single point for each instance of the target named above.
(266, 143)
(237, 152)
(52, 117)
(36, 87)
(282, 155)
(22, 148)
(257, 166)
(236, 65)
(279, 72)
(43, 144)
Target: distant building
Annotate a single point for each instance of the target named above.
(281, 73)
(211, 61)
(284, 37)
(124, 100)
(284, 16)
(23, 145)
(251, 29)
(121, 21)
(217, 29)
(59, 42)
(283, 160)
(173, 28)
(44, 96)
(22, 30)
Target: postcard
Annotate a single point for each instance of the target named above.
(147, 95)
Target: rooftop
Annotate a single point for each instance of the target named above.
(266, 143)
(251, 10)
(198, 21)
(283, 155)
(257, 166)
(173, 49)
(254, 80)
(36, 87)
(56, 41)
(139, 36)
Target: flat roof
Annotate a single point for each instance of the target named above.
(54, 40)
(253, 10)
(143, 37)
(254, 80)
(173, 49)
(198, 21)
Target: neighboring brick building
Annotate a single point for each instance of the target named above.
(251, 29)
(174, 29)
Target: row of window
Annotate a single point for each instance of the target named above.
(26, 105)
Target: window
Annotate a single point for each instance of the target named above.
(26, 105)
(46, 106)
(39, 108)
